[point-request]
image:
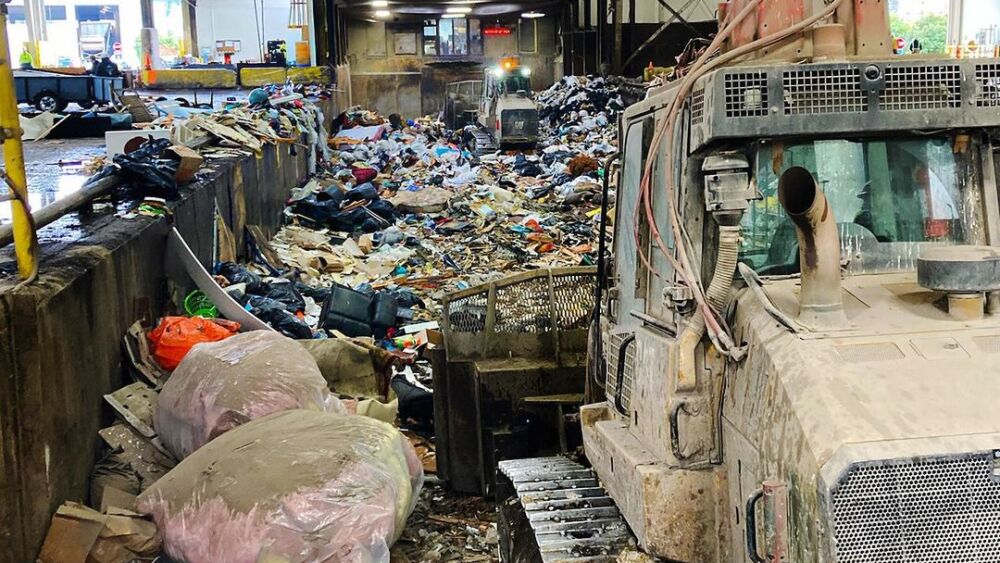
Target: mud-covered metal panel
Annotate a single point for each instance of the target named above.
(859, 96)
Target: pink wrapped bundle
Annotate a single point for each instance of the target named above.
(221, 385)
(295, 487)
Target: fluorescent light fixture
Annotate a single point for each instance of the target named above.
(452, 15)
(532, 15)
(380, 3)
(382, 13)
(458, 9)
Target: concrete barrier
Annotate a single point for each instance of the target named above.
(60, 338)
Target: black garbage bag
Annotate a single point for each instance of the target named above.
(320, 211)
(384, 209)
(416, 405)
(406, 298)
(333, 194)
(145, 174)
(285, 293)
(276, 314)
(318, 294)
(236, 274)
(364, 191)
(526, 168)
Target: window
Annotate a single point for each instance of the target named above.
(15, 14)
(889, 197)
(55, 13)
(449, 37)
(446, 38)
(527, 35)
(430, 38)
(475, 38)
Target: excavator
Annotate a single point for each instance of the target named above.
(795, 352)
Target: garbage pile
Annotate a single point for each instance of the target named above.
(403, 214)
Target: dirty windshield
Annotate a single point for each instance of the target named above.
(514, 84)
(889, 198)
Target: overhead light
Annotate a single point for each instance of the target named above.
(380, 3)
(458, 9)
(452, 15)
(382, 13)
(532, 15)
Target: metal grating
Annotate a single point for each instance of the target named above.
(988, 85)
(524, 307)
(468, 314)
(746, 94)
(698, 107)
(928, 511)
(922, 87)
(612, 383)
(574, 300)
(988, 344)
(875, 352)
(813, 92)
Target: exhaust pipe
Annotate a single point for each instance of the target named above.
(820, 302)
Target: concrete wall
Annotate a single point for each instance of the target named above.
(60, 338)
(413, 85)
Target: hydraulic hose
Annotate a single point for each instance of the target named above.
(717, 296)
(668, 125)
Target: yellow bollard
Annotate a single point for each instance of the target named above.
(25, 241)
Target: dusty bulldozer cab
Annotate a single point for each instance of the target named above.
(891, 195)
(855, 381)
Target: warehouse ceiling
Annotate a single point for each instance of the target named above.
(695, 10)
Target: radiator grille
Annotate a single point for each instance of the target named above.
(698, 107)
(927, 511)
(922, 87)
(988, 85)
(811, 92)
(612, 383)
(746, 94)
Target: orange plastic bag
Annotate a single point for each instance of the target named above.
(177, 335)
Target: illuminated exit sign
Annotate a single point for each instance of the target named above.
(496, 30)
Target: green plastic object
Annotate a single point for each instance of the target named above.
(197, 304)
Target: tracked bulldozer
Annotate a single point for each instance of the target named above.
(795, 349)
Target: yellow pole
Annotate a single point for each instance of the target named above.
(25, 244)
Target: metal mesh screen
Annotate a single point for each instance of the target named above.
(524, 307)
(698, 107)
(875, 352)
(746, 94)
(988, 85)
(809, 92)
(928, 511)
(612, 383)
(468, 314)
(574, 300)
(922, 87)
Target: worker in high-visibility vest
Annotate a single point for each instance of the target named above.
(27, 61)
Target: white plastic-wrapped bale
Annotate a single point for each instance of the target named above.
(221, 385)
(293, 487)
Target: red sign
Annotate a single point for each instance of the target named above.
(495, 30)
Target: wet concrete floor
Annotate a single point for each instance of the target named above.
(48, 180)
